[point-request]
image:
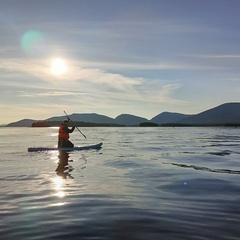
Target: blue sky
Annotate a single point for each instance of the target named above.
(140, 57)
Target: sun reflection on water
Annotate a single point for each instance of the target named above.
(60, 192)
(58, 183)
(54, 156)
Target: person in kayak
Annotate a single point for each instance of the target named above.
(63, 135)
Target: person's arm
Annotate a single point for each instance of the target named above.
(66, 129)
(71, 130)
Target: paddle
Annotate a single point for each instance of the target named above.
(74, 125)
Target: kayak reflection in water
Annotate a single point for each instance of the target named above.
(63, 169)
(63, 135)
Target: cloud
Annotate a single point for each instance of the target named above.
(223, 56)
(85, 88)
(36, 68)
(41, 69)
(78, 77)
(186, 63)
(48, 94)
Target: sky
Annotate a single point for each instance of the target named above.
(139, 57)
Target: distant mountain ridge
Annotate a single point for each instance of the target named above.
(227, 113)
(85, 117)
(126, 119)
(123, 119)
(22, 123)
(224, 114)
(168, 117)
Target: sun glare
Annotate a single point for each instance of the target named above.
(58, 66)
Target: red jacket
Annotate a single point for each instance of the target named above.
(62, 132)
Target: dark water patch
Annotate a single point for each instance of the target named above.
(201, 168)
(127, 155)
(222, 145)
(221, 153)
(226, 137)
(190, 152)
(224, 152)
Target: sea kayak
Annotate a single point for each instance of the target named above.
(75, 148)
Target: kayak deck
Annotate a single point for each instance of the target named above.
(77, 148)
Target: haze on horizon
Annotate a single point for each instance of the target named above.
(112, 57)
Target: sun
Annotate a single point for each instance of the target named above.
(58, 66)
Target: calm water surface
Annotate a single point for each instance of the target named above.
(145, 183)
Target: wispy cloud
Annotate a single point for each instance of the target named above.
(223, 56)
(84, 86)
(153, 64)
(48, 94)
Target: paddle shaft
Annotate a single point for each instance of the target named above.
(74, 125)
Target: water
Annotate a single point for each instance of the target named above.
(145, 183)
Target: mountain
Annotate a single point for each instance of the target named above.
(22, 123)
(84, 117)
(228, 113)
(224, 114)
(129, 120)
(168, 117)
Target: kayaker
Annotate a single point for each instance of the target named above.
(63, 135)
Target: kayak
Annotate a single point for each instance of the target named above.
(77, 148)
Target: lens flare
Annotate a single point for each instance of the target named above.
(33, 41)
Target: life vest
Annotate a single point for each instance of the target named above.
(62, 133)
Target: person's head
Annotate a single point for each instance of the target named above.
(65, 122)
